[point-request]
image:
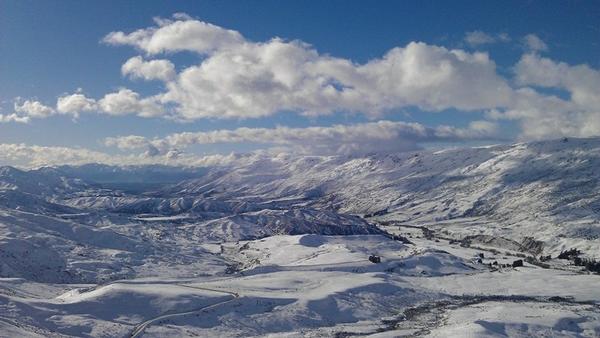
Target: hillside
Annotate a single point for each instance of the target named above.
(546, 190)
(386, 245)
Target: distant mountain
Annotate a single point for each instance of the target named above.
(42, 182)
(130, 178)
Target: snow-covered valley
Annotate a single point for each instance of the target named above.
(410, 244)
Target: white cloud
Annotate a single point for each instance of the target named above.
(543, 116)
(75, 104)
(581, 81)
(136, 67)
(33, 109)
(263, 79)
(540, 116)
(14, 118)
(26, 110)
(33, 156)
(547, 116)
(183, 34)
(126, 101)
(238, 78)
(533, 43)
(127, 142)
(434, 78)
(122, 102)
(338, 139)
(477, 38)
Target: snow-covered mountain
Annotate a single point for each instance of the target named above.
(45, 182)
(546, 190)
(542, 190)
(286, 245)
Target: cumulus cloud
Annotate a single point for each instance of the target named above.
(533, 43)
(262, 79)
(33, 156)
(75, 104)
(183, 34)
(125, 101)
(543, 116)
(238, 78)
(26, 110)
(137, 67)
(5, 118)
(581, 81)
(122, 102)
(33, 109)
(127, 142)
(336, 139)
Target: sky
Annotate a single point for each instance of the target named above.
(198, 82)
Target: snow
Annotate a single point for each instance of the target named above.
(535, 282)
(280, 246)
(520, 320)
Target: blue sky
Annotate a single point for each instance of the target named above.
(50, 49)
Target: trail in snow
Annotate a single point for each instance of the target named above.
(139, 329)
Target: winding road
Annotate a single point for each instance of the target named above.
(139, 329)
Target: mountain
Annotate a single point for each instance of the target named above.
(306, 246)
(546, 190)
(542, 196)
(46, 182)
(57, 227)
(130, 178)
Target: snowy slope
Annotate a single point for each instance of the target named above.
(280, 246)
(546, 190)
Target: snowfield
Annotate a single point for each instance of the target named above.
(385, 245)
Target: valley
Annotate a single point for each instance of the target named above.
(386, 245)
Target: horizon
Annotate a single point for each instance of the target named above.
(236, 159)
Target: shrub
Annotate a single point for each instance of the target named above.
(569, 254)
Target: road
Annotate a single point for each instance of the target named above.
(139, 329)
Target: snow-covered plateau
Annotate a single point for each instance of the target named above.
(453, 243)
